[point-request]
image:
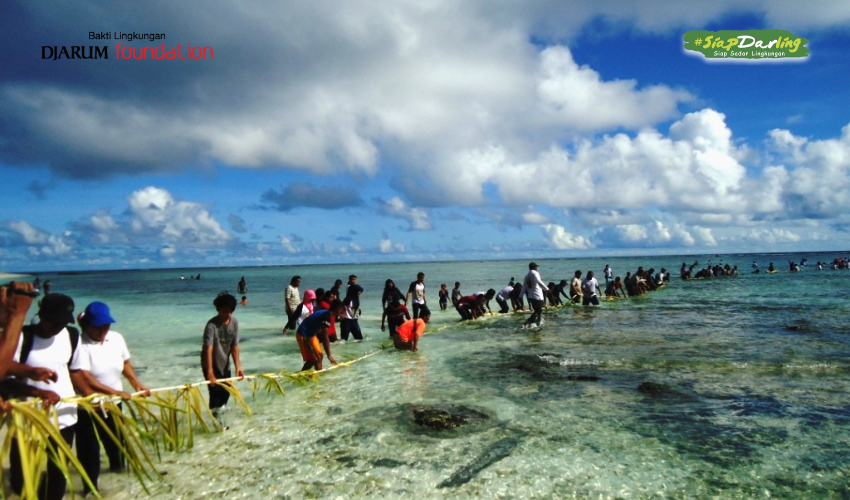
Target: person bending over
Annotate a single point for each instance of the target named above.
(406, 337)
(312, 335)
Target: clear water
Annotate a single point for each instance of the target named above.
(754, 368)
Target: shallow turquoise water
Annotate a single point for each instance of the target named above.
(754, 368)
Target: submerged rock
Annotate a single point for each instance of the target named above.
(436, 419)
(651, 388)
(387, 462)
(492, 454)
(444, 418)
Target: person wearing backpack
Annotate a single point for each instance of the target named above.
(46, 353)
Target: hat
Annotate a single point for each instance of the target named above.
(532, 265)
(57, 307)
(309, 295)
(97, 314)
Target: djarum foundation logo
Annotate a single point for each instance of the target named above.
(747, 45)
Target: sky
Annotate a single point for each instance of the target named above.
(394, 130)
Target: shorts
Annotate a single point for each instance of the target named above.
(590, 299)
(305, 343)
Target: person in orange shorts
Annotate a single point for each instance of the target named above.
(312, 335)
(406, 336)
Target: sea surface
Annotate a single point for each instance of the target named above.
(751, 401)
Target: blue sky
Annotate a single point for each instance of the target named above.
(326, 132)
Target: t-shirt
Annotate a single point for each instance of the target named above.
(504, 294)
(589, 286)
(314, 323)
(467, 301)
(292, 297)
(417, 289)
(397, 315)
(303, 312)
(533, 285)
(325, 305)
(411, 327)
(104, 360)
(350, 311)
(222, 338)
(53, 353)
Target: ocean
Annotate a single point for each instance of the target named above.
(749, 377)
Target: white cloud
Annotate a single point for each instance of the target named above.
(577, 97)
(387, 246)
(771, 236)
(417, 217)
(532, 217)
(818, 185)
(287, 245)
(39, 242)
(656, 234)
(29, 234)
(155, 212)
(563, 240)
(695, 169)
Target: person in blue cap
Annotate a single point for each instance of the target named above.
(104, 358)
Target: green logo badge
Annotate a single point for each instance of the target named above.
(746, 44)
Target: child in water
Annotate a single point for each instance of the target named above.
(444, 297)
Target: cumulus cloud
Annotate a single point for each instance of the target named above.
(387, 246)
(532, 217)
(39, 242)
(389, 80)
(696, 168)
(577, 97)
(772, 236)
(302, 194)
(287, 245)
(656, 234)
(563, 240)
(155, 213)
(415, 216)
(818, 185)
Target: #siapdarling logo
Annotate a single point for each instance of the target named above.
(748, 45)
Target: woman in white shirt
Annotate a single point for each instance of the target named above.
(104, 358)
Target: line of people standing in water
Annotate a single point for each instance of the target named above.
(320, 318)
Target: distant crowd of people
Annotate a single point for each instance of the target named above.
(687, 272)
